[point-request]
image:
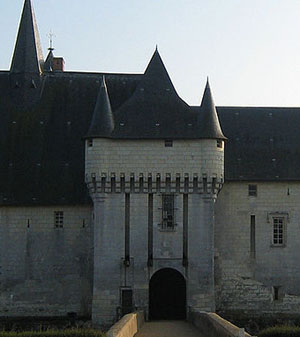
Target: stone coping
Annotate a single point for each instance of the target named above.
(127, 326)
(212, 325)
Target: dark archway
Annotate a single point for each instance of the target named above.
(167, 295)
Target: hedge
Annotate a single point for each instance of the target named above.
(55, 333)
(281, 331)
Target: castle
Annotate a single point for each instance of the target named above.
(116, 195)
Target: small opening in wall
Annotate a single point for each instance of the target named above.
(168, 143)
(90, 142)
(220, 143)
(252, 190)
(58, 219)
(276, 293)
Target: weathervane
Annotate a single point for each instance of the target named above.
(51, 35)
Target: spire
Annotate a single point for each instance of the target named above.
(28, 57)
(209, 121)
(102, 121)
(156, 76)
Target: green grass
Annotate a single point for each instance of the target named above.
(281, 331)
(55, 333)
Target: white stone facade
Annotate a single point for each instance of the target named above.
(45, 270)
(247, 281)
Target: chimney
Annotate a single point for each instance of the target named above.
(58, 64)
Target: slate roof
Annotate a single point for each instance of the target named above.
(41, 145)
(263, 143)
(103, 120)
(28, 56)
(45, 117)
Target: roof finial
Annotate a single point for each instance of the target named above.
(156, 47)
(51, 35)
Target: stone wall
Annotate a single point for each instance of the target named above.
(139, 159)
(245, 280)
(45, 271)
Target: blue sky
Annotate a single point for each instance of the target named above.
(250, 49)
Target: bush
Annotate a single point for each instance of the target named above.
(281, 331)
(55, 333)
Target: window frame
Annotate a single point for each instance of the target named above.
(168, 212)
(281, 231)
(252, 190)
(58, 219)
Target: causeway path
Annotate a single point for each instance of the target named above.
(168, 329)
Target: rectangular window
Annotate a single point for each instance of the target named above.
(168, 221)
(220, 144)
(58, 219)
(168, 143)
(90, 142)
(278, 231)
(252, 190)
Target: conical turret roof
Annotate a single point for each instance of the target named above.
(28, 57)
(102, 123)
(156, 77)
(154, 110)
(208, 120)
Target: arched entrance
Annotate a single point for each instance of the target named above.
(167, 295)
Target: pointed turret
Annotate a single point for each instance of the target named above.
(103, 121)
(208, 120)
(28, 57)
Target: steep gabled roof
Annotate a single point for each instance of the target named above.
(102, 123)
(208, 118)
(28, 56)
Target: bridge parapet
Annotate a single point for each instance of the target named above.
(212, 325)
(127, 326)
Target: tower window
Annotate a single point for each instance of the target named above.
(90, 142)
(168, 214)
(168, 143)
(220, 143)
(252, 190)
(58, 219)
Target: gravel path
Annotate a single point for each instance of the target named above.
(168, 329)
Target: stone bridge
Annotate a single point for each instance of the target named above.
(200, 324)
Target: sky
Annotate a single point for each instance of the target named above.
(250, 49)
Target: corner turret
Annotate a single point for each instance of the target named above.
(209, 124)
(102, 123)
